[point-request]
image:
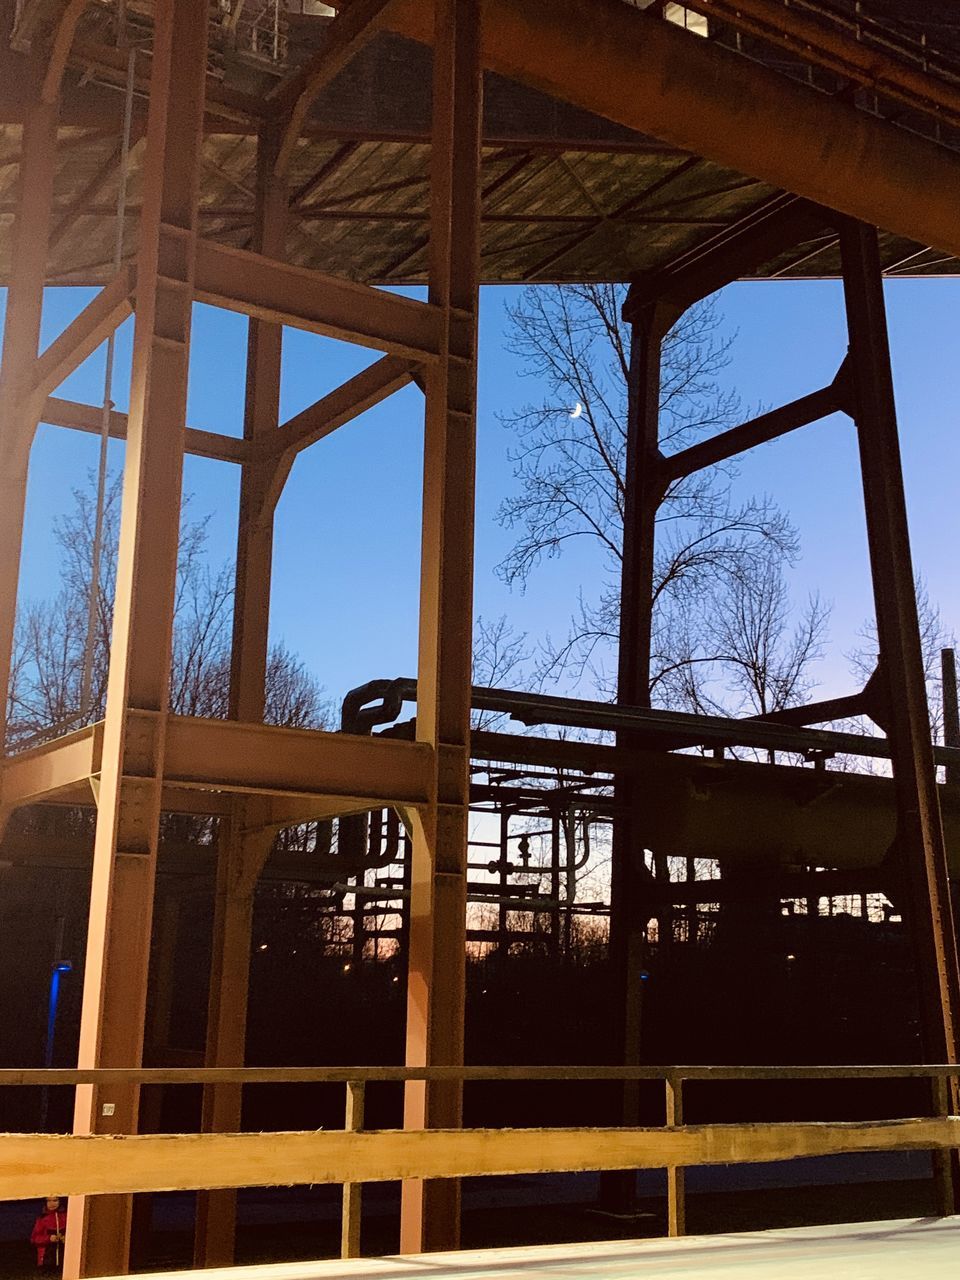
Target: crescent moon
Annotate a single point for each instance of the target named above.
(577, 411)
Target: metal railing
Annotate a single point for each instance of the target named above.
(33, 1164)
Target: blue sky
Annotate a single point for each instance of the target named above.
(347, 544)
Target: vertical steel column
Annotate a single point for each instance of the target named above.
(21, 335)
(628, 914)
(243, 844)
(240, 858)
(643, 493)
(951, 709)
(919, 828)
(125, 849)
(251, 617)
(436, 976)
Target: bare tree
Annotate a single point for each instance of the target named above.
(500, 658)
(51, 639)
(934, 636)
(761, 649)
(569, 458)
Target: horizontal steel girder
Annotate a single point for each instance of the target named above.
(89, 417)
(231, 756)
(654, 77)
(268, 290)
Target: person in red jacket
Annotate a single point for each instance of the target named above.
(48, 1233)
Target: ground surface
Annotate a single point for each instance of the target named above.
(287, 1226)
(862, 1251)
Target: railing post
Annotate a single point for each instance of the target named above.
(943, 1161)
(676, 1176)
(352, 1191)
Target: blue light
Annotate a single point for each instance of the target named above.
(63, 967)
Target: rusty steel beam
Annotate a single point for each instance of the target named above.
(702, 98)
(843, 52)
(42, 773)
(89, 418)
(436, 964)
(767, 426)
(98, 107)
(18, 408)
(237, 757)
(261, 418)
(60, 46)
(245, 837)
(343, 38)
(625, 208)
(220, 100)
(951, 708)
(630, 907)
(348, 401)
(921, 848)
(82, 336)
(276, 292)
(921, 860)
(326, 415)
(259, 759)
(241, 856)
(739, 249)
(131, 786)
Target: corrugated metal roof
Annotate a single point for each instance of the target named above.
(567, 196)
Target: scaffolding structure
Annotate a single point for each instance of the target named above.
(816, 175)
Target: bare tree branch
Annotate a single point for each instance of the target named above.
(569, 457)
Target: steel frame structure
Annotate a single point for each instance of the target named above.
(257, 779)
(894, 698)
(136, 747)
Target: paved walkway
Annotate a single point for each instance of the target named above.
(927, 1249)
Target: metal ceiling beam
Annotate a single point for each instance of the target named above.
(344, 37)
(740, 249)
(258, 286)
(61, 44)
(610, 218)
(655, 78)
(841, 51)
(83, 201)
(111, 64)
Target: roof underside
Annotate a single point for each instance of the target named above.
(567, 196)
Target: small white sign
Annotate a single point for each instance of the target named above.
(108, 1108)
